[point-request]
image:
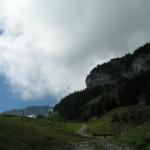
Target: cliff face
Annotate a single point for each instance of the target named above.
(118, 68)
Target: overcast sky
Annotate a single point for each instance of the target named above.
(48, 45)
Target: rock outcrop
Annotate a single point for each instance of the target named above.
(118, 68)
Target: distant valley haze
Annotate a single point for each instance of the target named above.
(47, 48)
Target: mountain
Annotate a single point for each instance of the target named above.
(119, 82)
(31, 111)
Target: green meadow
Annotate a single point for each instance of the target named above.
(34, 134)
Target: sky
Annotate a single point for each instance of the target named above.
(10, 101)
(48, 45)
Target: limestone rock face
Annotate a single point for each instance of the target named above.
(118, 68)
(100, 78)
(141, 63)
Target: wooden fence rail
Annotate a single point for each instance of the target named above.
(94, 134)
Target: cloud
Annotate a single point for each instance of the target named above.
(46, 46)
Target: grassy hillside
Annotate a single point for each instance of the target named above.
(62, 123)
(121, 118)
(139, 137)
(131, 123)
(33, 134)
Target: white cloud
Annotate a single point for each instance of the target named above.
(49, 45)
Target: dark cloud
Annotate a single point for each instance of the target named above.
(117, 28)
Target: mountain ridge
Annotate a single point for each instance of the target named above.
(31, 110)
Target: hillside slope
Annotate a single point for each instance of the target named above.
(130, 123)
(33, 134)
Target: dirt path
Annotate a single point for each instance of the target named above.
(82, 130)
(99, 145)
(96, 144)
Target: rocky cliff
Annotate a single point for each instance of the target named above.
(118, 68)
